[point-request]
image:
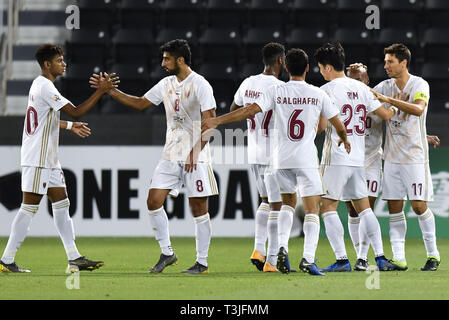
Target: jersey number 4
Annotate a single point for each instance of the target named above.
(31, 121)
(265, 122)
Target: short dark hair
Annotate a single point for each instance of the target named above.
(271, 52)
(178, 48)
(400, 51)
(296, 61)
(47, 52)
(331, 54)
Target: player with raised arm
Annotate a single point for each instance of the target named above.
(41, 169)
(297, 107)
(373, 169)
(344, 174)
(259, 154)
(187, 98)
(406, 155)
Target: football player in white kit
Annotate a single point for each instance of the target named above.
(187, 98)
(41, 169)
(259, 146)
(406, 155)
(297, 107)
(344, 174)
(373, 169)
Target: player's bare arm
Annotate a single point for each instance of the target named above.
(104, 84)
(79, 128)
(341, 131)
(416, 108)
(235, 106)
(137, 103)
(385, 113)
(192, 159)
(234, 116)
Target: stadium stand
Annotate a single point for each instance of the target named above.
(125, 35)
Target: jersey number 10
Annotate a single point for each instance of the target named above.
(31, 121)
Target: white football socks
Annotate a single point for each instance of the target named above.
(273, 243)
(311, 229)
(285, 222)
(203, 233)
(19, 230)
(369, 225)
(335, 234)
(361, 242)
(159, 223)
(427, 225)
(64, 226)
(261, 232)
(398, 229)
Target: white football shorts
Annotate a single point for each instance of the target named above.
(170, 175)
(266, 182)
(38, 180)
(412, 180)
(307, 182)
(344, 183)
(374, 178)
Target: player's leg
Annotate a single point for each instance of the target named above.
(201, 184)
(334, 178)
(287, 181)
(310, 187)
(420, 191)
(166, 176)
(19, 231)
(353, 227)
(394, 191)
(258, 255)
(275, 202)
(34, 186)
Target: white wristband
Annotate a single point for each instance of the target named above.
(69, 125)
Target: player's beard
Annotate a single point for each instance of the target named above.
(175, 71)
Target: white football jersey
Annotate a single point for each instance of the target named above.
(183, 101)
(354, 100)
(297, 106)
(260, 126)
(373, 139)
(40, 137)
(406, 135)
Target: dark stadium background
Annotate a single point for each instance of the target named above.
(226, 38)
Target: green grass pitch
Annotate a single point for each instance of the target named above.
(127, 260)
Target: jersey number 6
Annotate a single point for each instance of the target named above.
(295, 126)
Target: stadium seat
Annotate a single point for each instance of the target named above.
(223, 79)
(256, 38)
(263, 12)
(169, 34)
(249, 69)
(139, 14)
(88, 45)
(389, 36)
(75, 83)
(437, 13)
(133, 45)
(219, 44)
(228, 14)
(356, 43)
(96, 13)
(308, 39)
(306, 13)
(314, 76)
(436, 71)
(182, 14)
(134, 78)
(111, 106)
(436, 44)
(400, 13)
(157, 73)
(351, 13)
